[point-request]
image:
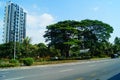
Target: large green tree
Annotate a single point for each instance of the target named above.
(65, 35)
(62, 35)
(96, 30)
(94, 33)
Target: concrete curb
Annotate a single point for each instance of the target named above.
(55, 65)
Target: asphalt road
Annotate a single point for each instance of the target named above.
(88, 70)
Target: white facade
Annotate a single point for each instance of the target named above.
(14, 23)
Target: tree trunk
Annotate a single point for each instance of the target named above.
(67, 51)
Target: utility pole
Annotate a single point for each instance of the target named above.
(14, 45)
(14, 50)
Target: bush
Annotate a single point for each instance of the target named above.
(28, 61)
(1, 61)
(14, 62)
(9, 63)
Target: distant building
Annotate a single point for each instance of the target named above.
(14, 23)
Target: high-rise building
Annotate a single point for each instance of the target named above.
(14, 23)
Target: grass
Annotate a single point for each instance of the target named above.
(99, 58)
(63, 61)
(54, 62)
(6, 63)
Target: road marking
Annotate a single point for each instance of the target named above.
(66, 70)
(15, 78)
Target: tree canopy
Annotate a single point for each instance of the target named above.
(62, 35)
(96, 30)
(66, 34)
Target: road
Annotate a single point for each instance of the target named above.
(89, 70)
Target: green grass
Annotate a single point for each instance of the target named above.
(54, 62)
(8, 63)
(99, 58)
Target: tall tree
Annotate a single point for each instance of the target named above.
(26, 46)
(42, 50)
(62, 35)
(65, 35)
(94, 32)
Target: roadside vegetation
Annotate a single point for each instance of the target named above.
(67, 41)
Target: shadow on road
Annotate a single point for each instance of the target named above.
(115, 77)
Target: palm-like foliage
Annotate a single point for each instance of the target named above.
(26, 45)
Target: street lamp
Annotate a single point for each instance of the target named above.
(14, 45)
(14, 50)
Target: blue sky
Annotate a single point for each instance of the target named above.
(41, 13)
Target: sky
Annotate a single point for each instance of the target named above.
(41, 13)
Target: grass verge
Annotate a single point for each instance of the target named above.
(54, 62)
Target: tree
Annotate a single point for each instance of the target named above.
(116, 47)
(96, 30)
(62, 35)
(65, 35)
(42, 50)
(27, 41)
(6, 50)
(117, 41)
(26, 46)
(94, 33)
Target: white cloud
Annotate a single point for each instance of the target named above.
(36, 21)
(36, 35)
(36, 26)
(46, 19)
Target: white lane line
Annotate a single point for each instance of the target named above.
(66, 70)
(15, 78)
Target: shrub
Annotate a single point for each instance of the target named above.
(14, 62)
(28, 61)
(1, 61)
(7, 65)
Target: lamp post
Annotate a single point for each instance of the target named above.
(14, 45)
(14, 50)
